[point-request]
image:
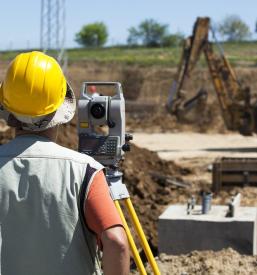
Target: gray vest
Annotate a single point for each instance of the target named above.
(40, 223)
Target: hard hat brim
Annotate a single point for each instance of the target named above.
(62, 115)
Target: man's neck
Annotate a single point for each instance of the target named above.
(49, 133)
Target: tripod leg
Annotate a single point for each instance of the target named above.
(133, 247)
(142, 237)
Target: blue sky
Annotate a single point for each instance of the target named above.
(20, 20)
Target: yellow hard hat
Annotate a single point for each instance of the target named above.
(34, 85)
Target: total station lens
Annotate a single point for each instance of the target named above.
(97, 111)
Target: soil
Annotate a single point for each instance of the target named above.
(225, 262)
(149, 196)
(159, 121)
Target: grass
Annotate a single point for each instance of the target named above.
(132, 56)
(239, 54)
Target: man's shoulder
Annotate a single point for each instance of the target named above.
(38, 147)
(69, 154)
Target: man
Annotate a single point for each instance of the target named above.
(55, 208)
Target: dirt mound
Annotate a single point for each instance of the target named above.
(226, 261)
(150, 196)
(152, 85)
(161, 121)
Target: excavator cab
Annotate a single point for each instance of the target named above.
(235, 100)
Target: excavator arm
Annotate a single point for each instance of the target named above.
(234, 100)
(178, 102)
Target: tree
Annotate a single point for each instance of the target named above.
(92, 35)
(133, 37)
(149, 33)
(172, 40)
(234, 29)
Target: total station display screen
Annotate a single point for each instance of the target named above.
(90, 143)
(100, 146)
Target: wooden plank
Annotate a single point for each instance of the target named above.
(216, 178)
(237, 178)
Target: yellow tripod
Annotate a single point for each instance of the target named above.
(119, 192)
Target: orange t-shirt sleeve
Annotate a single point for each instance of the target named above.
(100, 211)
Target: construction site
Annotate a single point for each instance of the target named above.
(192, 169)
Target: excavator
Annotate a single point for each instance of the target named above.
(238, 111)
(238, 106)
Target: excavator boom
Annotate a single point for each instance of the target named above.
(192, 48)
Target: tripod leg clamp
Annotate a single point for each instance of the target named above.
(118, 191)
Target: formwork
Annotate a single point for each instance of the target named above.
(234, 172)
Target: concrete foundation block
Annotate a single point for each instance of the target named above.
(179, 233)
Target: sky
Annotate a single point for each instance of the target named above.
(20, 20)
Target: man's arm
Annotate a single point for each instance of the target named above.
(102, 217)
(116, 256)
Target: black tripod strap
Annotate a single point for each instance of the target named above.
(82, 194)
